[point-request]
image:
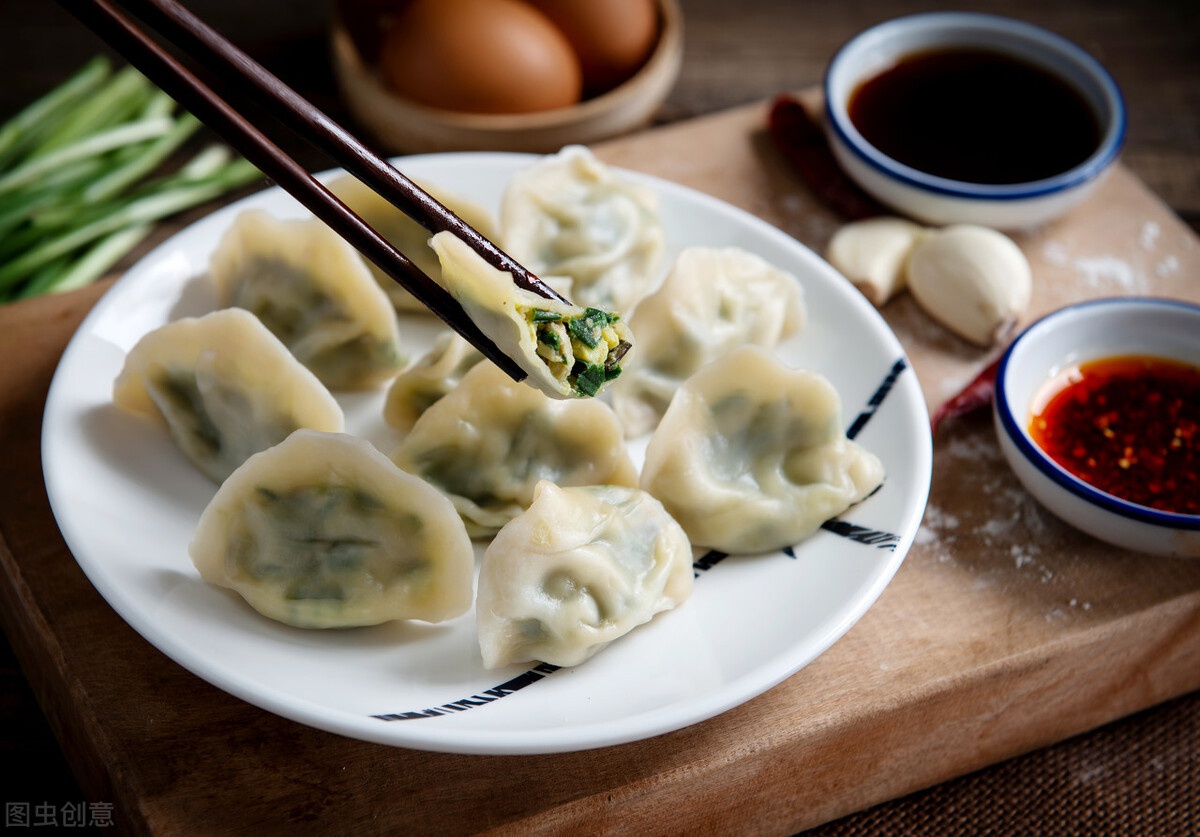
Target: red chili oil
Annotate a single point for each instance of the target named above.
(1130, 426)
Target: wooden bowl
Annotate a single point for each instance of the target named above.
(403, 126)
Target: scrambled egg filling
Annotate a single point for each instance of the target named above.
(585, 350)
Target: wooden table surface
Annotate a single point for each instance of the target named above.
(740, 52)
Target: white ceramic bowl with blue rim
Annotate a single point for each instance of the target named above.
(939, 200)
(1077, 334)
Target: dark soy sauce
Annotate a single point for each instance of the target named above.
(975, 115)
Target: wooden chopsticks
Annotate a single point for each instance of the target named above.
(240, 76)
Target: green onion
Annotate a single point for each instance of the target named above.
(28, 125)
(78, 184)
(73, 275)
(588, 328)
(119, 101)
(590, 379)
(90, 146)
(143, 163)
(152, 207)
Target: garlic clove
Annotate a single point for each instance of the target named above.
(871, 253)
(973, 280)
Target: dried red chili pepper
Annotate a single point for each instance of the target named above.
(802, 143)
(974, 396)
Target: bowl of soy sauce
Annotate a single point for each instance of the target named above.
(960, 117)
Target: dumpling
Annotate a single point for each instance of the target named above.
(323, 531)
(491, 440)
(405, 234)
(751, 455)
(226, 388)
(432, 376)
(569, 214)
(315, 293)
(581, 568)
(567, 350)
(712, 300)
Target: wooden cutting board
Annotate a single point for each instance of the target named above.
(1003, 631)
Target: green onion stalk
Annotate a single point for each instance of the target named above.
(84, 177)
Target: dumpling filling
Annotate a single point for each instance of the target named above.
(584, 351)
(567, 350)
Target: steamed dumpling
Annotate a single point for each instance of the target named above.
(711, 301)
(315, 293)
(491, 440)
(581, 568)
(428, 380)
(567, 351)
(225, 387)
(569, 214)
(752, 456)
(405, 234)
(323, 531)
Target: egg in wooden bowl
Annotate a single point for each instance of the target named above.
(504, 75)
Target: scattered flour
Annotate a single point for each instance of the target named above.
(1101, 273)
(1167, 266)
(1056, 254)
(1007, 539)
(973, 448)
(1148, 238)
(793, 204)
(938, 519)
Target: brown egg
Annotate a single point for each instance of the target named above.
(480, 56)
(613, 38)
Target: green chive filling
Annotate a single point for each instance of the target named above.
(596, 359)
(588, 328)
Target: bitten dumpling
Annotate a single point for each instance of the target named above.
(581, 568)
(315, 293)
(226, 388)
(405, 234)
(489, 441)
(323, 531)
(567, 351)
(433, 375)
(569, 214)
(712, 300)
(751, 455)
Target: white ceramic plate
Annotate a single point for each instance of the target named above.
(127, 503)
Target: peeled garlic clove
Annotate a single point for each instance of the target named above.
(971, 279)
(871, 254)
